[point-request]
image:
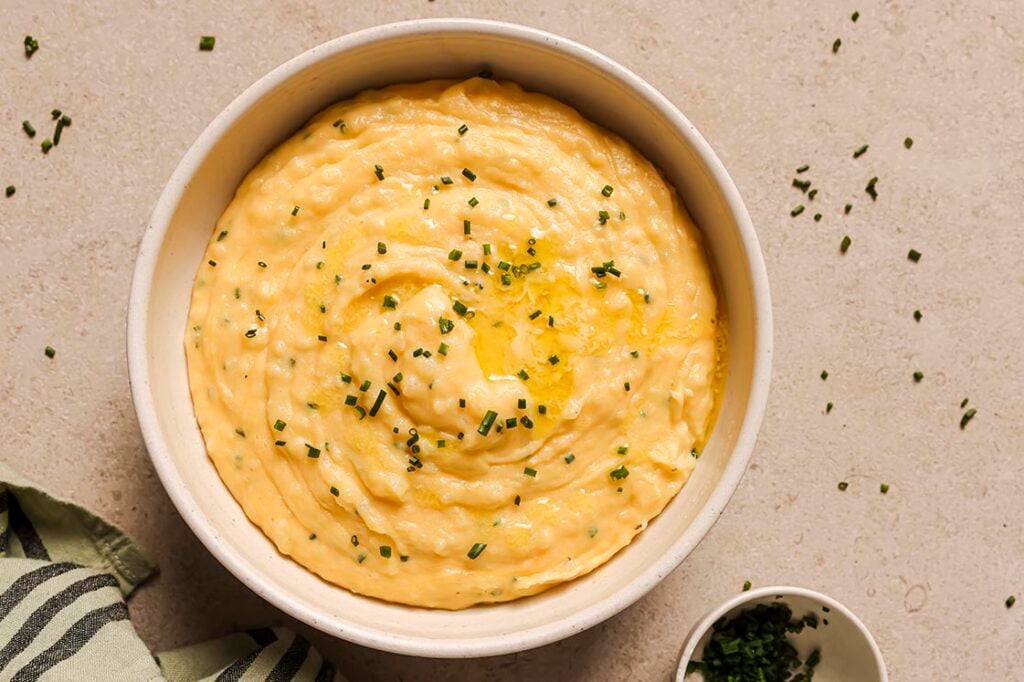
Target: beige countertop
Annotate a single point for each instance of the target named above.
(927, 566)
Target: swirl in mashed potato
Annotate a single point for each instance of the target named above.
(452, 343)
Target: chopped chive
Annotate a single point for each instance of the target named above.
(870, 189)
(471, 264)
(377, 403)
(393, 355)
(569, 458)
(279, 425)
(322, 338)
(365, 386)
(339, 124)
(10, 190)
(607, 190)
(747, 585)
(530, 471)
(335, 491)
(802, 185)
(517, 500)
(382, 248)
(460, 308)
(847, 209)
(250, 334)
(454, 254)
(397, 378)
(535, 314)
(803, 169)
(860, 151)
(1010, 601)
(28, 128)
(884, 488)
(622, 450)
(521, 403)
(526, 421)
(523, 374)
(351, 400)
(445, 180)
(914, 255)
(46, 146)
(476, 550)
(426, 204)
(917, 315)
(49, 351)
(828, 407)
(502, 265)
(835, 45)
(552, 202)
(385, 551)
(390, 301)
(487, 422)
(511, 422)
(626, 386)
(817, 217)
(280, 443)
(553, 359)
(463, 129)
(312, 452)
(346, 378)
(968, 416)
(845, 244)
(467, 227)
(824, 374)
(295, 210)
(843, 485)
(469, 174)
(378, 170)
(445, 325)
(487, 249)
(473, 202)
(462, 402)
(813, 193)
(620, 473)
(918, 376)
(855, 16)
(602, 217)
(441, 443)
(442, 349)
(31, 45)
(542, 409)
(600, 285)
(797, 210)
(206, 43)
(908, 142)
(506, 280)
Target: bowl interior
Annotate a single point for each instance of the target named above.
(266, 115)
(848, 652)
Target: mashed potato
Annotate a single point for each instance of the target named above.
(452, 343)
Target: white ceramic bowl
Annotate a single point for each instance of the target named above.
(271, 110)
(848, 651)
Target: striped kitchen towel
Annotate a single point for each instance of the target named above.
(64, 577)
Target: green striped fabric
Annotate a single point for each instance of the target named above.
(64, 577)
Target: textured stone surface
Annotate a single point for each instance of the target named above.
(927, 566)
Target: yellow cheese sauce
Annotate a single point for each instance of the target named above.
(452, 343)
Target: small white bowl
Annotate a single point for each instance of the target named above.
(848, 651)
(267, 113)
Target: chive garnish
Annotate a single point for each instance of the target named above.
(313, 452)
(802, 185)
(552, 202)
(620, 473)
(49, 351)
(445, 180)
(10, 190)
(843, 485)
(46, 146)
(295, 210)
(602, 217)
(487, 422)
(855, 16)
(884, 488)
(280, 443)
(917, 316)
(530, 471)
(460, 308)
(339, 124)
(473, 202)
(250, 333)
(847, 209)
(607, 190)
(803, 169)
(322, 338)
(377, 403)
(797, 211)
(426, 204)
(835, 45)
(569, 458)
(487, 249)
(378, 170)
(476, 550)
(553, 359)
(968, 416)
(523, 374)
(393, 355)
(351, 400)
(845, 244)
(28, 128)
(206, 43)
(397, 378)
(385, 551)
(914, 255)
(828, 407)
(817, 217)
(918, 376)
(463, 129)
(390, 301)
(860, 151)
(462, 402)
(824, 374)
(622, 450)
(31, 45)
(454, 255)
(280, 425)
(445, 325)
(870, 189)
(470, 175)
(511, 422)
(908, 142)
(471, 264)
(382, 248)
(346, 378)
(335, 491)
(467, 227)
(813, 193)
(626, 386)
(542, 409)
(442, 349)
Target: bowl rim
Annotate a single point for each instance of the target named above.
(702, 626)
(336, 625)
